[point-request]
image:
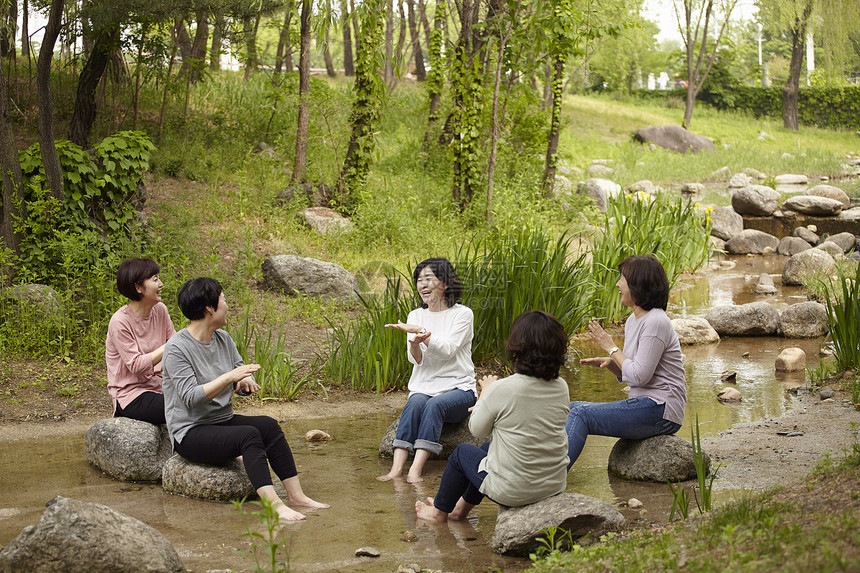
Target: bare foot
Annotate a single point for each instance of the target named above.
(429, 512)
(308, 502)
(414, 478)
(461, 510)
(388, 477)
(287, 515)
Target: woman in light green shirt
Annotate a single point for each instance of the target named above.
(524, 416)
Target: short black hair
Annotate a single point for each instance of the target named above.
(444, 271)
(647, 280)
(196, 295)
(537, 345)
(132, 272)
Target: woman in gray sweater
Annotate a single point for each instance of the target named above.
(202, 368)
(651, 364)
(523, 414)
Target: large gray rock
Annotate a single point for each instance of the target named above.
(803, 320)
(831, 192)
(42, 298)
(324, 220)
(791, 246)
(791, 179)
(751, 241)
(807, 263)
(80, 537)
(452, 436)
(751, 319)
(312, 277)
(764, 285)
(694, 330)
(216, 483)
(811, 205)
(755, 201)
(128, 450)
(674, 138)
(845, 240)
(519, 528)
(659, 459)
(643, 186)
(739, 180)
(831, 248)
(807, 235)
(601, 190)
(599, 171)
(726, 223)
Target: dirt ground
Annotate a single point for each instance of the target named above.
(42, 399)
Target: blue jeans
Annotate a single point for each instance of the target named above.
(461, 477)
(631, 419)
(422, 418)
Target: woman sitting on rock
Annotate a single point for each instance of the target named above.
(651, 364)
(202, 367)
(135, 343)
(526, 459)
(442, 386)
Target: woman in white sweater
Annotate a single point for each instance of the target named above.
(524, 415)
(442, 386)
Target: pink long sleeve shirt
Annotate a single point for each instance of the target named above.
(130, 342)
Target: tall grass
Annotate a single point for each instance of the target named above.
(669, 227)
(843, 310)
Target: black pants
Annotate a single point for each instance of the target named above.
(258, 439)
(148, 407)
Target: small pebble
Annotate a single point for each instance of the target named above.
(634, 503)
(826, 393)
(408, 536)
(367, 552)
(317, 436)
(745, 355)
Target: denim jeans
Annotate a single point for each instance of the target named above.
(423, 416)
(631, 419)
(461, 477)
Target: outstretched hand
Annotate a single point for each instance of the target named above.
(598, 361)
(247, 386)
(408, 328)
(600, 336)
(243, 371)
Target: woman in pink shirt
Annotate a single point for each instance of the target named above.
(135, 343)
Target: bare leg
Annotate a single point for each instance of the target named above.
(298, 497)
(428, 512)
(285, 514)
(400, 457)
(461, 510)
(417, 467)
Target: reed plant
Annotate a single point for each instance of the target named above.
(843, 310)
(704, 494)
(269, 549)
(671, 228)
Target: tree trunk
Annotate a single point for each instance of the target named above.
(415, 37)
(496, 127)
(436, 78)
(50, 159)
(300, 161)
(461, 189)
(557, 83)
(790, 91)
(217, 41)
(10, 174)
(8, 29)
(400, 57)
(388, 70)
(348, 67)
(25, 29)
(197, 61)
(183, 40)
(422, 12)
(284, 49)
(249, 29)
(84, 114)
(329, 66)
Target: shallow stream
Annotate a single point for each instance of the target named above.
(365, 512)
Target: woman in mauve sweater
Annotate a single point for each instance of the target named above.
(135, 343)
(442, 386)
(523, 414)
(651, 364)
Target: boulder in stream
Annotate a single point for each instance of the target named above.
(755, 201)
(694, 330)
(128, 450)
(658, 459)
(76, 536)
(201, 481)
(791, 360)
(519, 528)
(752, 241)
(807, 263)
(803, 320)
(452, 436)
(751, 319)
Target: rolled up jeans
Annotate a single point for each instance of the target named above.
(422, 418)
(631, 419)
